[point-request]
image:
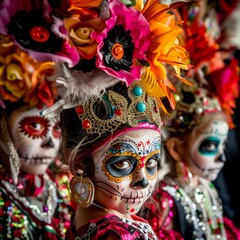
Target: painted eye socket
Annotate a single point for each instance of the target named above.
(209, 146)
(121, 166)
(34, 127)
(152, 164)
(56, 130)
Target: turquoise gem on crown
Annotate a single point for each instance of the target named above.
(141, 107)
(137, 91)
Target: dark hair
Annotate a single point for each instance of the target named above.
(76, 140)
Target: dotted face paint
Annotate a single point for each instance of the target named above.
(126, 170)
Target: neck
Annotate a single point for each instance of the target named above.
(84, 215)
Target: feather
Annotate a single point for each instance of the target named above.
(77, 87)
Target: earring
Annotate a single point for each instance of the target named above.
(183, 173)
(82, 189)
(13, 155)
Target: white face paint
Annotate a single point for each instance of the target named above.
(126, 170)
(36, 139)
(207, 150)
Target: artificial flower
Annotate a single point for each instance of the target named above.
(225, 85)
(43, 92)
(124, 41)
(83, 4)
(15, 76)
(79, 34)
(6, 45)
(164, 49)
(36, 31)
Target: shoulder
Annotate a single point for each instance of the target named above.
(108, 227)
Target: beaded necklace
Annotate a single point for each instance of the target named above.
(202, 208)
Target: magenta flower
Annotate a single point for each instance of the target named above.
(36, 31)
(124, 41)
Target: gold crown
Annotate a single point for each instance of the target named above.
(141, 110)
(192, 102)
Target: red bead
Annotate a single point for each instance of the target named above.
(118, 112)
(86, 124)
(197, 92)
(79, 110)
(39, 34)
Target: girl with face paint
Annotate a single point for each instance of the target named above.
(195, 137)
(110, 110)
(111, 77)
(31, 206)
(195, 153)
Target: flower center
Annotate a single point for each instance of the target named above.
(39, 34)
(117, 51)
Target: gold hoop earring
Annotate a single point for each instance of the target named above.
(82, 189)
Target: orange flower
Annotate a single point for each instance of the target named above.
(6, 45)
(15, 76)
(80, 34)
(164, 48)
(81, 4)
(42, 92)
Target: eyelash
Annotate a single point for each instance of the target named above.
(28, 126)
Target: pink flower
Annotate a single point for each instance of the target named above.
(124, 41)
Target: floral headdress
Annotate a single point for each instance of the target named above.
(97, 45)
(214, 81)
(23, 80)
(126, 41)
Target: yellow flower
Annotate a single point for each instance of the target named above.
(15, 76)
(80, 34)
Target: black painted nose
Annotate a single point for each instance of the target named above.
(48, 144)
(142, 184)
(222, 158)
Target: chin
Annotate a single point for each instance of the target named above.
(34, 169)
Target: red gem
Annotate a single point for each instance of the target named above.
(132, 210)
(79, 110)
(156, 109)
(197, 92)
(86, 124)
(118, 112)
(39, 34)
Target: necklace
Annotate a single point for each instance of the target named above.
(202, 208)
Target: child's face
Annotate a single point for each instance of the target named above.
(205, 150)
(36, 139)
(126, 170)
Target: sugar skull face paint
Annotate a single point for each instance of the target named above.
(207, 150)
(36, 139)
(126, 170)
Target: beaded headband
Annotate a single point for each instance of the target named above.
(141, 109)
(192, 103)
